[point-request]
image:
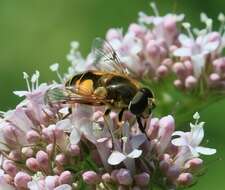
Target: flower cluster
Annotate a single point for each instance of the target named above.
(64, 146)
(48, 147)
(156, 48)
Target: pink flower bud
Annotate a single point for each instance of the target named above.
(194, 164)
(32, 164)
(32, 136)
(65, 177)
(106, 178)
(166, 128)
(165, 162)
(214, 78)
(74, 150)
(167, 62)
(185, 179)
(42, 158)
(173, 172)
(21, 179)
(60, 159)
(49, 148)
(188, 66)
(9, 167)
(152, 49)
(149, 36)
(142, 179)
(170, 25)
(27, 152)
(48, 134)
(190, 82)
(113, 175)
(162, 71)
(15, 155)
(8, 179)
(138, 30)
(90, 177)
(178, 83)
(124, 177)
(113, 34)
(180, 70)
(219, 64)
(153, 128)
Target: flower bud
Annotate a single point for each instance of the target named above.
(162, 71)
(15, 155)
(49, 148)
(113, 175)
(180, 70)
(113, 34)
(214, 78)
(74, 150)
(190, 82)
(142, 179)
(32, 136)
(185, 179)
(65, 177)
(170, 25)
(60, 159)
(173, 172)
(153, 50)
(153, 128)
(178, 83)
(42, 158)
(194, 164)
(21, 179)
(124, 177)
(166, 128)
(167, 62)
(90, 177)
(138, 30)
(32, 164)
(106, 178)
(9, 167)
(27, 152)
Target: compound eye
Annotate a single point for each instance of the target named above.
(138, 104)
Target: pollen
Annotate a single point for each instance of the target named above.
(86, 87)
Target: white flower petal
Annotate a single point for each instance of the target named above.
(116, 158)
(33, 185)
(75, 136)
(65, 125)
(137, 140)
(179, 142)
(63, 187)
(185, 40)
(20, 93)
(211, 46)
(197, 135)
(205, 151)
(193, 151)
(178, 133)
(135, 154)
(198, 62)
(182, 52)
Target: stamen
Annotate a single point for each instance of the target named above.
(187, 26)
(26, 76)
(55, 68)
(208, 21)
(221, 18)
(33, 81)
(37, 81)
(74, 45)
(155, 9)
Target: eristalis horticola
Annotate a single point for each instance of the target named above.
(110, 85)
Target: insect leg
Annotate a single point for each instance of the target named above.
(121, 114)
(106, 119)
(141, 127)
(68, 114)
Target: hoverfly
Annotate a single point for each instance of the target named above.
(110, 85)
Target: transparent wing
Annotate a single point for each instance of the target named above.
(66, 96)
(105, 57)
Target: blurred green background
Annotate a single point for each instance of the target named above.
(34, 34)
